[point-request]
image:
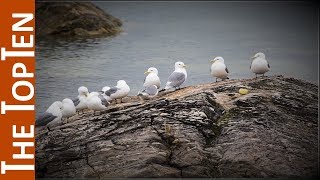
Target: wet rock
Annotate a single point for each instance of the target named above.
(74, 19)
(192, 132)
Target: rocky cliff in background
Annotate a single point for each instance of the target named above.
(206, 130)
(74, 19)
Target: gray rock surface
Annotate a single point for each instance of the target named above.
(207, 130)
(74, 19)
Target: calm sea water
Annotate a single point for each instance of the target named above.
(160, 33)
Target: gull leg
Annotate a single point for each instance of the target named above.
(256, 75)
(216, 79)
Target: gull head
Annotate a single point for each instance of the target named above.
(179, 65)
(152, 70)
(67, 101)
(217, 59)
(121, 83)
(259, 55)
(83, 91)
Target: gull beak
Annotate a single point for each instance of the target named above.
(212, 60)
(184, 66)
(100, 92)
(147, 72)
(252, 57)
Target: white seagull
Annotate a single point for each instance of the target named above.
(152, 78)
(219, 69)
(51, 117)
(178, 76)
(80, 101)
(68, 108)
(149, 92)
(120, 91)
(96, 102)
(259, 64)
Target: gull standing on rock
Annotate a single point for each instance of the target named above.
(80, 101)
(96, 102)
(219, 69)
(120, 91)
(68, 108)
(52, 116)
(178, 76)
(152, 78)
(259, 64)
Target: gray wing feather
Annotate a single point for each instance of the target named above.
(111, 91)
(44, 119)
(151, 90)
(76, 101)
(103, 100)
(176, 79)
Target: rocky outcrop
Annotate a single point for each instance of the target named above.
(207, 130)
(74, 19)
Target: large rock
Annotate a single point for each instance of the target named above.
(207, 130)
(74, 19)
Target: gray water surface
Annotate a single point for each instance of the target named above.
(160, 33)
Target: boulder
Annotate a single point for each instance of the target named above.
(207, 130)
(74, 19)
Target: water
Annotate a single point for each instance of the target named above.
(160, 33)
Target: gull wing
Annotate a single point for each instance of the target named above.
(103, 100)
(111, 91)
(176, 79)
(76, 101)
(45, 118)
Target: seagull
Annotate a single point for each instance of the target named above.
(80, 101)
(120, 91)
(149, 92)
(259, 64)
(51, 117)
(152, 78)
(96, 102)
(178, 76)
(219, 69)
(68, 108)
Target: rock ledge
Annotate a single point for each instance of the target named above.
(207, 130)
